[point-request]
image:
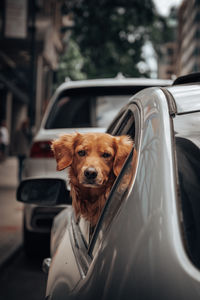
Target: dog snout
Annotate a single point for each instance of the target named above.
(90, 173)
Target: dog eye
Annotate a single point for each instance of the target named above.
(81, 153)
(106, 155)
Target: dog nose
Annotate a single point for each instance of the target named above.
(90, 173)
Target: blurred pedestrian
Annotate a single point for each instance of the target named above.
(4, 140)
(21, 145)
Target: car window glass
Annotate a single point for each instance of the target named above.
(91, 111)
(87, 107)
(107, 107)
(70, 112)
(112, 128)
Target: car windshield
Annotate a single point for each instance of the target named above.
(188, 158)
(88, 107)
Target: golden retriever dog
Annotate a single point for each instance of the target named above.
(94, 161)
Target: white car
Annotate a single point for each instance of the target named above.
(81, 106)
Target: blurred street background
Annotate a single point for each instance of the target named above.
(21, 277)
(11, 210)
(45, 42)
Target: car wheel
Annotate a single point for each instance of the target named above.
(35, 244)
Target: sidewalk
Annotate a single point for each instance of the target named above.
(10, 211)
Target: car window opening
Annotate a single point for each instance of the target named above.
(188, 158)
(122, 183)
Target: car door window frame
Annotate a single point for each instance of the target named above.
(82, 246)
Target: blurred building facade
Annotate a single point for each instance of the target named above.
(31, 41)
(188, 59)
(181, 55)
(167, 60)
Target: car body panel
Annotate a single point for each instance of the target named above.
(69, 274)
(60, 224)
(186, 97)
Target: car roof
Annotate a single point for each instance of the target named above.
(122, 81)
(186, 96)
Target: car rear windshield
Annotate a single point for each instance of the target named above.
(88, 107)
(188, 159)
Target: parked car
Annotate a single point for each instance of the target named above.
(146, 244)
(81, 106)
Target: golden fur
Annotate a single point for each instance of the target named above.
(95, 160)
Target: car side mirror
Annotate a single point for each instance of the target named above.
(43, 191)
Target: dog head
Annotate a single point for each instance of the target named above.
(91, 156)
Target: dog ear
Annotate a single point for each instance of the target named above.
(123, 145)
(63, 149)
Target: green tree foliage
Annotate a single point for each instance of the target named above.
(164, 30)
(111, 34)
(71, 63)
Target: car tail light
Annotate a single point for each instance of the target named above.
(41, 149)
